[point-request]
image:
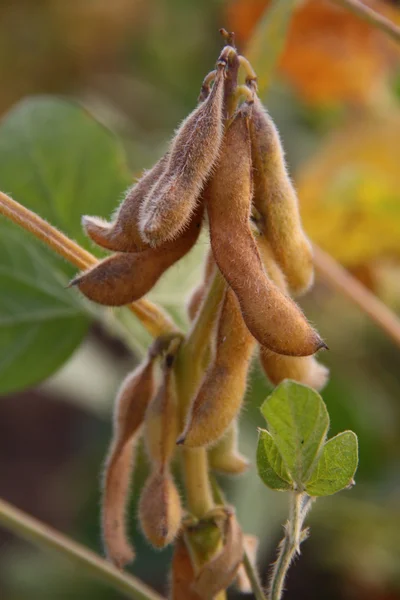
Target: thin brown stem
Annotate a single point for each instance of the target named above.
(40, 534)
(151, 316)
(344, 282)
(370, 16)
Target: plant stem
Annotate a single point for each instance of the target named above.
(253, 578)
(370, 16)
(40, 534)
(290, 545)
(349, 286)
(153, 318)
(198, 490)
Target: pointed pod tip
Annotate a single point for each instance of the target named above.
(181, 440)
(75, 281)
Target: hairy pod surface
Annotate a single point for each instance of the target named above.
(182, 573)
(132, 400)
(167, 208)
(221, 570)
(221, 392)
(160, 510)
(304, 369)
(122, 234)
(123, 277)
(271, 316)
(225, 457)
(275, 198)
(198, 293)
(161, 423)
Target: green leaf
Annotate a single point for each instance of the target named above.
(269, 464)
(58, 161)
(336, 467)
(268, 40)
(61, 163)
(298, 422)
(41, 322)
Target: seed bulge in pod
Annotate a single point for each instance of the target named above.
(272, 317)
(167, 208)
(124, 277)
(275, 198)
(221, 392)
(132, 400)
(160, 510)
(122, 234)
(225, 457)
(162, 421)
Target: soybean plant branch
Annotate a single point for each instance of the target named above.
(370, 16)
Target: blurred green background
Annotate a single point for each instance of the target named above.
(137, 66)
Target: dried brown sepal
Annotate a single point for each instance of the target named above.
(221, 570)
(122, 233)
(193, 153)
(276, 199)
(225, 457)
(161, 422)
(160, 510)
(132, 400)
(272, 317)
(250, 543)
(198, 293)
(123, 277)
(182, 573)
(304, 369)
(221, 392)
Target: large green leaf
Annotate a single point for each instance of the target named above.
(270, 465)
(336, 467)
(298, 422)
(268, 40)
(59, 162)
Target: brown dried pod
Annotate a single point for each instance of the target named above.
(193, 153)
(225, 457)
(305, 369)
(275, 198)
(124, 278)
(122, 234)
(160, 510)
(221, 392)
(132, 400)
(272, 318)
(161, 423)
(221, 570)
(198, 293)
(182, 573)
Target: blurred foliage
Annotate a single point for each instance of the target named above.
(137, 66)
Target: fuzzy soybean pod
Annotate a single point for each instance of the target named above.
(276, 200)
(272, 317)
(160, 509)
(162, 421)
(132, 400)
(182, 573)
(221, 392)
(304, 369)
(167, 208)
(122, 234)
(225, 457)
(124, 277)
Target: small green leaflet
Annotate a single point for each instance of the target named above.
(269, 464)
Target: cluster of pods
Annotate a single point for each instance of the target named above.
(225, 165)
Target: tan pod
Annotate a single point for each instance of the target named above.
(160, 510)
(198, 293)
(276, 200)
(123, 277)
(133, 398)
(122, 234)
(220, 395)
(271, 316)
(225, 457)
(168, 206)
